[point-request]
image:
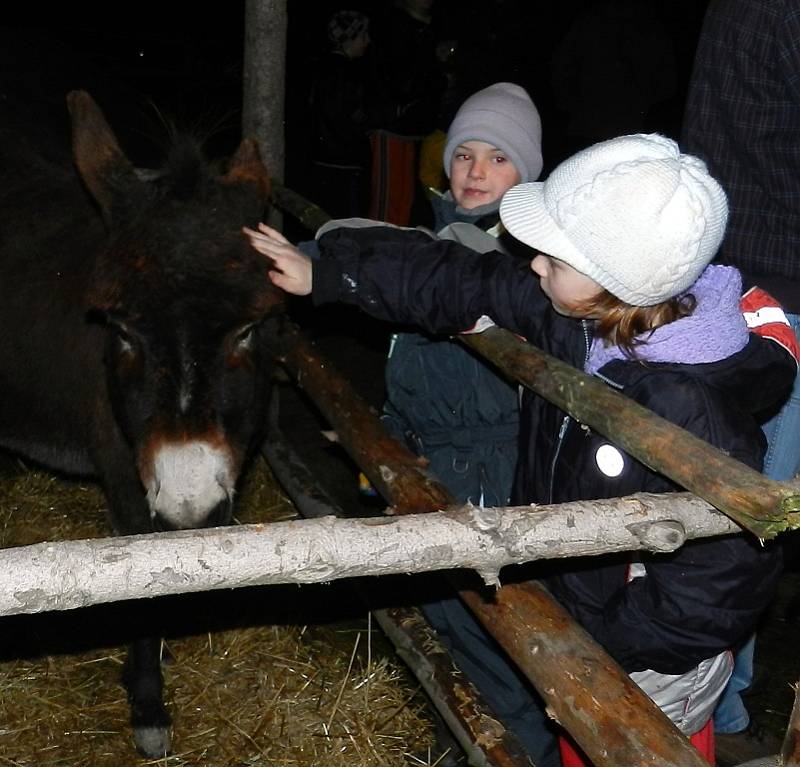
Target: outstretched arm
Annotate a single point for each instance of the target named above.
(291, 270)
(408, 277)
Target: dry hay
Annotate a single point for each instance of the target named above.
(281, 694)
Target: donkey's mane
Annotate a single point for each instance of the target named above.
(186, 173)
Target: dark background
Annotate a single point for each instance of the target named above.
(149, 63)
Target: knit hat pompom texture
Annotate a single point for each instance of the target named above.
(633, 213)
(504, 116)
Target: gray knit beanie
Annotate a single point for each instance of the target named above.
(504, 116)
(633, 213)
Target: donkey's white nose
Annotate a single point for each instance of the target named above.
(189, 480)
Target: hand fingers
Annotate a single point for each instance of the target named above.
(290, 284)
(278, 279)
(265, 234)
(273, 233)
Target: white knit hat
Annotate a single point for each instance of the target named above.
(633, 213)
(504, 116)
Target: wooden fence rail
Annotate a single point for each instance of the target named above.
(759, 504)
(65, 575)
(614, 722)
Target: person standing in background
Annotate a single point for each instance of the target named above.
(407, 36)
(344, 106)
(742, 117)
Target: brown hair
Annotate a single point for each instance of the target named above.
(621, 324)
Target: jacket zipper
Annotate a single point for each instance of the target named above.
(561, 432)
(566, 420)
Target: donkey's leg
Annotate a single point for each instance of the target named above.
(142, 678)
(130, 515)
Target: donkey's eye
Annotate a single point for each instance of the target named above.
(243, 340)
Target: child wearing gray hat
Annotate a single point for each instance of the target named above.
(441, 399)
(449, 406)
(621, 286)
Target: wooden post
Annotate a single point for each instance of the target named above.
(526, 621)
(264, 84)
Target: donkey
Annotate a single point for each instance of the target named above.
(137, 338)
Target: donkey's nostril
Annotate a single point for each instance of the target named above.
(189, 481)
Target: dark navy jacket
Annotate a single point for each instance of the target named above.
(694, 603)
(447, 403)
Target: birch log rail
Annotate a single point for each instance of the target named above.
(72, 574)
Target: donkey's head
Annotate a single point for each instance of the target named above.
(191, 316)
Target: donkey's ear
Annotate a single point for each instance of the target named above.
(104, 168)
(247, 167)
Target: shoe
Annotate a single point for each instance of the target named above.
(738, 748)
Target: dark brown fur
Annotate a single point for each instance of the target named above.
(132, 314)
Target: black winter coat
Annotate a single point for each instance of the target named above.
(693, 603)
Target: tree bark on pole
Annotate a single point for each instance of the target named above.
(264, 83)
(310, 215)
(647, 740)
(397, 474)
(483, 738)
(757, 503)
(611, 719)
(70, 574)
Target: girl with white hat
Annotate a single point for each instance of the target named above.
(441, 399)
(621, 286)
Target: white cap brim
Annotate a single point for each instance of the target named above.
(524, 215)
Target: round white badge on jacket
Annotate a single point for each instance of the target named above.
(609, 460)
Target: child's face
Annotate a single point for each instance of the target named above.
(480, 174)
(566, 287)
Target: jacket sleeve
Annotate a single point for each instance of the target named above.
(406, 276)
